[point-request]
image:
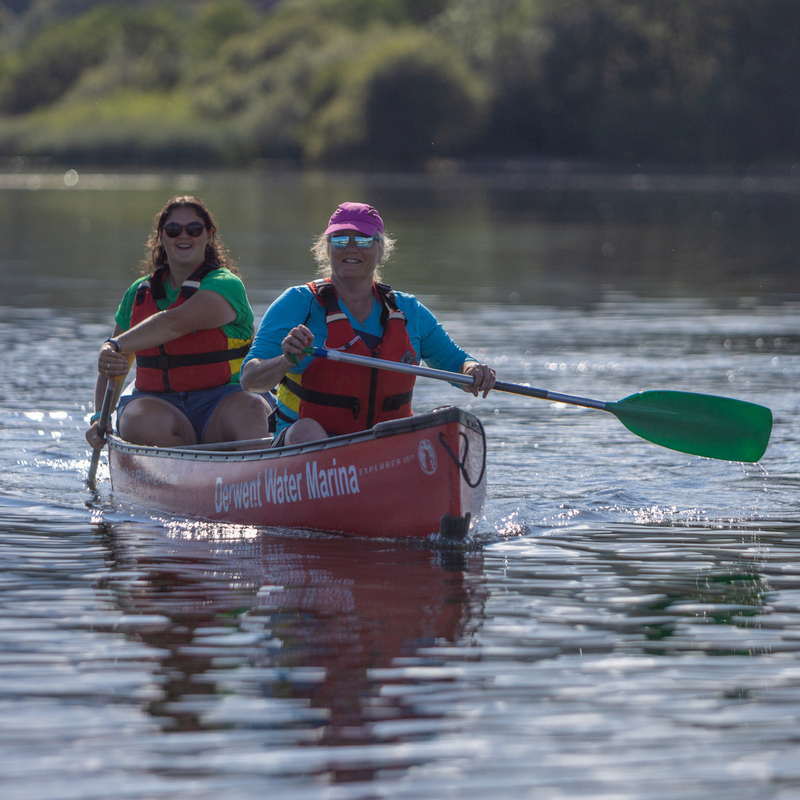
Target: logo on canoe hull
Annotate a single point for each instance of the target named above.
(426, 456)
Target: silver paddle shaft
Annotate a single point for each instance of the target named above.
(452, 377)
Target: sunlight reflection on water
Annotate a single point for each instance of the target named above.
(624, 622)
(579, 637)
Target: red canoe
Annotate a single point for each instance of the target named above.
(417, 476)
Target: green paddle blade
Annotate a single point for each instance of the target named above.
(700, 424)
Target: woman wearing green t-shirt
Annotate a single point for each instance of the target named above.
(189, 324)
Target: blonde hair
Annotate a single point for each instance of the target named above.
(321, 250)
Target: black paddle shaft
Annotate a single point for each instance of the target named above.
(102, 422)
(543, 394)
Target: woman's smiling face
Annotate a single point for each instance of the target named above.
(185, 251)
(353, 261)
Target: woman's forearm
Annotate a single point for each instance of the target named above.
(204, 310)
(263, 374)
(151, 332)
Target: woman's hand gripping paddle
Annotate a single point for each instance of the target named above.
(700, 424)
(110, 398)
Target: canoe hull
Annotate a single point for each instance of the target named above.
(412, 477)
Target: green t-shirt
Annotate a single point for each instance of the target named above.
(222, 281)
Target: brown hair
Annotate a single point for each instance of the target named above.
(156, 256)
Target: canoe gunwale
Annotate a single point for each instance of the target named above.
(428, 419)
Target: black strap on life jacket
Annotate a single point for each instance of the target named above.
(156, 283)
(388, 302)
(342, 400)
(324, 398)
(329, 299)
(173, 361)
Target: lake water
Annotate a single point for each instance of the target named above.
(625, 622)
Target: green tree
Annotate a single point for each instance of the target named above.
(47, 66)
(407, 100)
(218, 22)
(396, 82)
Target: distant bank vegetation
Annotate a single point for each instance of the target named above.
(397, 83)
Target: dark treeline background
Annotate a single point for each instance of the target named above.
(400, 83)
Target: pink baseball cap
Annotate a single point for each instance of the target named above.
(355, 217)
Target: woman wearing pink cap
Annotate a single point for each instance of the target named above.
(348, 308)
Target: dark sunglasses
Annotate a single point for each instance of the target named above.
(340, 242)
(174, 229)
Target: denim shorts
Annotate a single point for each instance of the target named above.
(279, 440)
(197, 406)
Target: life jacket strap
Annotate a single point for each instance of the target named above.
(280, 415)
(397, 401)
(326, 294)
(174, 361)
(155, 283)
(324, 398)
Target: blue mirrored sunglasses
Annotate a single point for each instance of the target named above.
(340, 241)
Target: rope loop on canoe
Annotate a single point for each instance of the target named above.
(462, 463)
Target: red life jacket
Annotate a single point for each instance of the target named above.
(346, 398)
(198, 360)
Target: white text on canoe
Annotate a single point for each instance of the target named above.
(285, 487)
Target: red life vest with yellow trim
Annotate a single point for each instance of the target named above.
(199, 360)
(347, 398)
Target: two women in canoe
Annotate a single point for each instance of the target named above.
(189, 323)
(348, 308)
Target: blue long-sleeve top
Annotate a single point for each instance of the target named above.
(297, 305)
